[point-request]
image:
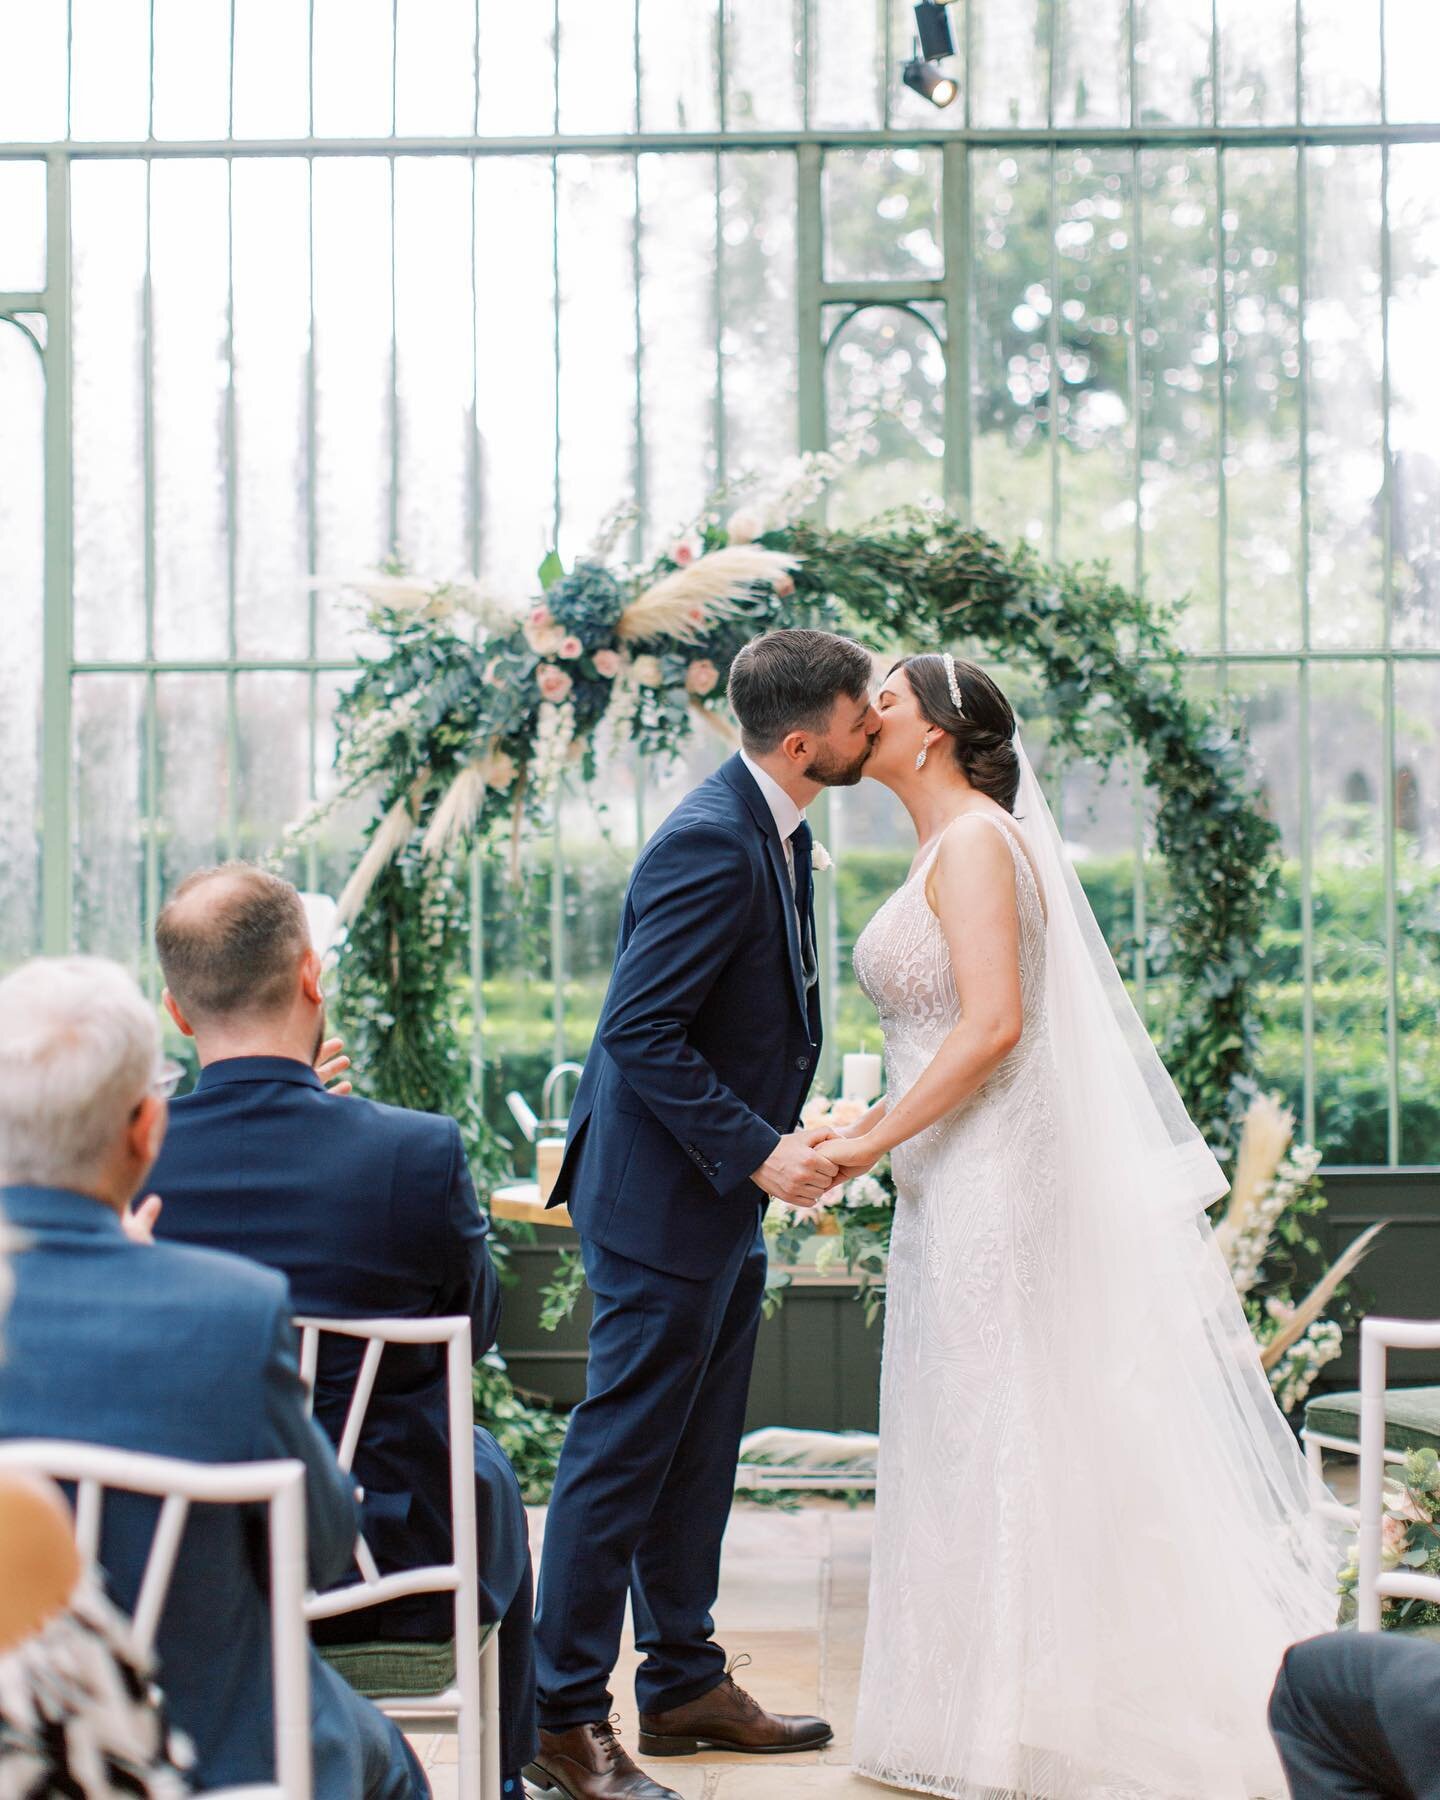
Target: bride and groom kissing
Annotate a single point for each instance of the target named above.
(1094, 1535)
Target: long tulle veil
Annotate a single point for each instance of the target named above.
(1186, 1549)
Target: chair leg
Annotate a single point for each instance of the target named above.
(1315, 1456)
(490, 1772)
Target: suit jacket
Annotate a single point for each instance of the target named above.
(707, 1042)
(368, 1211)
(181, 1353)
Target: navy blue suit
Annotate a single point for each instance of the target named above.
(704, 1053)
(186, 1353)
(370, 1212)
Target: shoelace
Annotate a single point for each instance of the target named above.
(608, 1741)
(742, 1661)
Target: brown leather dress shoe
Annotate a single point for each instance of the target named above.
(728, 1719)
(588, 1762)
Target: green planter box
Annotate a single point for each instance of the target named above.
(817, 1366)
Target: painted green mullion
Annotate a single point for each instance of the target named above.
(1307, 833)
(1132, 66)
(722, 452)
(882, 72)
(1052, 351)
(806, 58)
(151, 802)
(640, 461)
(1222, 494)
(393, 541)
(56, 873)
(312, 430)
(688, 143)
(1388, 821)
(218, 665)
(232, 644)
(1140, 899)
(312, 410)
(888, 293)
(1215, 61)
(1384, 69)
(722, 72)
(957, 239)
(808, 254)
(555, 495)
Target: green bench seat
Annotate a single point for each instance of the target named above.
(1412, 1417)
(397, 1671)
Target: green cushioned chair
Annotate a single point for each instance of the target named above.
(397, 1671)
(1412, 1422)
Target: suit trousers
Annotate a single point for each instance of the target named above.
(1356, 1716)
(645, 1484)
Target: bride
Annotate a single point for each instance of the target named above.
(1094, 1534)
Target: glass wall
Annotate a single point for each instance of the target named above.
(289, 288)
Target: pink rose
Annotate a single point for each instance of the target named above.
(540, 615)
(784, 586)
(1394, 1535)
(689, 547)
(571, 647)
(701, 677)
(607, 663)
(684, 554)
(555, 684)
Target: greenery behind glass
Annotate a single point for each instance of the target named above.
(1181, 359)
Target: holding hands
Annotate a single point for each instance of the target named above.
(795, 1171)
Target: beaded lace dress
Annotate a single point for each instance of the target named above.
(1060, 1606)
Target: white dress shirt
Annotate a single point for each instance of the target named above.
(786, 814)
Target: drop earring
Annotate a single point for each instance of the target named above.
(920, 759)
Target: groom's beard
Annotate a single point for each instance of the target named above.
(830, 771)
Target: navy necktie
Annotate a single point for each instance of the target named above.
(801, 840)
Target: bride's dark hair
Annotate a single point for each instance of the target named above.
(983, 734)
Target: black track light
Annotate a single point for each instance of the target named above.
(932, 22)
(936, 86)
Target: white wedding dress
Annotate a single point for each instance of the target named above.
(1093, 1536)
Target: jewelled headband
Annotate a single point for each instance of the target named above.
(954, 683)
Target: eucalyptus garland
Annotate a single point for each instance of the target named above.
(474, 711)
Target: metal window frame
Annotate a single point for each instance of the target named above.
(807, 145)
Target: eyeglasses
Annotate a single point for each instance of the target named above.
(167, 1078)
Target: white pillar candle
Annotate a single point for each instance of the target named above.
(860, 1077)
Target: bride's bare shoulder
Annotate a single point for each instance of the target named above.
(972, 863)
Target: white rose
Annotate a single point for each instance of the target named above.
(816, 1111)
(744, 527)
(648, 671)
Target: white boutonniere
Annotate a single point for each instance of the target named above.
(820, 857)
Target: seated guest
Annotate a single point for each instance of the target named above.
(369, 1210)
(164, 1349)
(1356, 1716)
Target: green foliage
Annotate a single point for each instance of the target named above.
(558, 1296)
(1410, 1540)
(529, 1433)
(461, 695)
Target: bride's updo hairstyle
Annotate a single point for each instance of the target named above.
(983, 734)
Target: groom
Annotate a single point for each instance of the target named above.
(685, 1119)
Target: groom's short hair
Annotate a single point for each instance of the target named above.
(790, 680)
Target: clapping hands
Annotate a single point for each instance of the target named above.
(331, 1064)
